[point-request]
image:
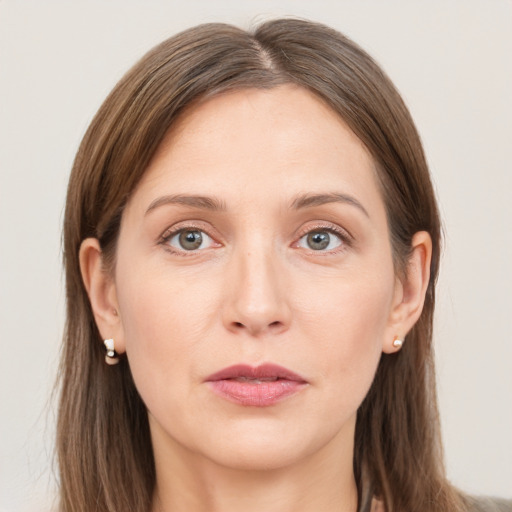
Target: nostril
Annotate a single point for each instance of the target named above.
(272, 325)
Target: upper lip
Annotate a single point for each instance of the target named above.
(264, 371)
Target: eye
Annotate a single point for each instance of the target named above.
(320, 240)
(189, 240)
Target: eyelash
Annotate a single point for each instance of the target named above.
(170, 233)
(345, 238)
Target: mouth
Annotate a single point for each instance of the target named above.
(260, 386)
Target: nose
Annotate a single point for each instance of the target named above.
(257, 302)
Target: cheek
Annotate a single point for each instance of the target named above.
(347, 318)
(165, 319)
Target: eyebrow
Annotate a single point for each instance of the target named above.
(215, 204)
(201, 202)
(310, 200)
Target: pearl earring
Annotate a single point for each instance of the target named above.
(111, 356)
(398, 342)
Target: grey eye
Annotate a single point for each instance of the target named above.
(190, 240)
(320, 240)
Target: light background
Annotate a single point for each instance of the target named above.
(452, 62)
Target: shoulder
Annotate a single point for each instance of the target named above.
(481, 504)
(473, 504)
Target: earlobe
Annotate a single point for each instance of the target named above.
(100, 287)
(410, 292)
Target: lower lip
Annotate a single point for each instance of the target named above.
(261, 394)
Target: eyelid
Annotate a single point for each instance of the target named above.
(327, 226)
(188, 225)
(346, 238)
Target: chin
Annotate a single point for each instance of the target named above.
(259, 456)
(261, 447)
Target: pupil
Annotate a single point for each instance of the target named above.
(191, 240)
(318, 240)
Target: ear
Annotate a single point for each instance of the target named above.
(101, 289)
(410, 290)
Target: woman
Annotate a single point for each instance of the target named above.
(252, 236)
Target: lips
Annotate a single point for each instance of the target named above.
(260, 386)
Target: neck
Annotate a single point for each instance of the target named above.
(322, 481)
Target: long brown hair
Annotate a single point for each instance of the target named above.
(104, 448)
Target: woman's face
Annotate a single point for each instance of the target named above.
(257, 236)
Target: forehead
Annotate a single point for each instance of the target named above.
(285, 115)
(278, 142)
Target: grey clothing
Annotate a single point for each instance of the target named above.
(481, 504)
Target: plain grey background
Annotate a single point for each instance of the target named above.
(452, 62)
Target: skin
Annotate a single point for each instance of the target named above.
(256, 292)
